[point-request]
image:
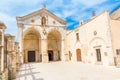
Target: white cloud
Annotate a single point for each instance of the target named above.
(10, 22)
(16, 2)
(6, 18)
(8, 5)
(87, 3)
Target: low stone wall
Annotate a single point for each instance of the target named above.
(4, 75)
(17, 66)
(12, 73)
(117, 61)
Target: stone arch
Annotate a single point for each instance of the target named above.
(96, 39)
(61, 32)
(31, 45)
(97, 47)
(31, 29)
(54, 45)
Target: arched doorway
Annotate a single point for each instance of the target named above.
(31, 46)
(78, 54)
(50, 55)
(54, 45)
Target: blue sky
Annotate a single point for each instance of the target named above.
(73, 11)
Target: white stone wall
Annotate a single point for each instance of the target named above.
(89, 42)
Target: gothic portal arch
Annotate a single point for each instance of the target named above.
(54, 45)
(31, 46)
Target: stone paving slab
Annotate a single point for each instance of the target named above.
(67, 71)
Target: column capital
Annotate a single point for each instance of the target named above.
(20, 24)
(2, 29)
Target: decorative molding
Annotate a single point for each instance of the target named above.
(41, 13)
(97, 46)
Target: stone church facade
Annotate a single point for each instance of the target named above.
(43, 37)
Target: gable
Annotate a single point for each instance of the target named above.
(39, 14)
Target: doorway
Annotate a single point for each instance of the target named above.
(78, 54)
(70, 55)
(98, 54)
(50, 55)
(31, 56)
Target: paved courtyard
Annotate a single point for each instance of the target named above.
(67, 71)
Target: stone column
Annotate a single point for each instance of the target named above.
(2, 52)
(20, 38)
(44, 50)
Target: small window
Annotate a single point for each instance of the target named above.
(118, 51)
(77, 36)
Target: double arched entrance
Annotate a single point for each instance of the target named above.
(33, 47)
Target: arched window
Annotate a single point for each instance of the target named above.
(43, 21)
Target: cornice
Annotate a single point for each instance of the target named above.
(2, 25)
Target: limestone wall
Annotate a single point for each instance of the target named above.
(93, 35)
(115, 31)
(115, 27)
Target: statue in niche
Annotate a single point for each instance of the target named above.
(43, 21)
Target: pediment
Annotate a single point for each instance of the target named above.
(40, 13)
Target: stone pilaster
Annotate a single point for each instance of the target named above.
(39, 52)
(44, 50)
(20, 38)
(20, 35)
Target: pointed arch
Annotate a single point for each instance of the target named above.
(31, 45)
(31, 30)
(54, 45)
(55, 31)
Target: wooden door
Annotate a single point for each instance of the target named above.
(78, 54)
(31, 56)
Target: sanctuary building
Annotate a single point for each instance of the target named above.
(43, 37)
